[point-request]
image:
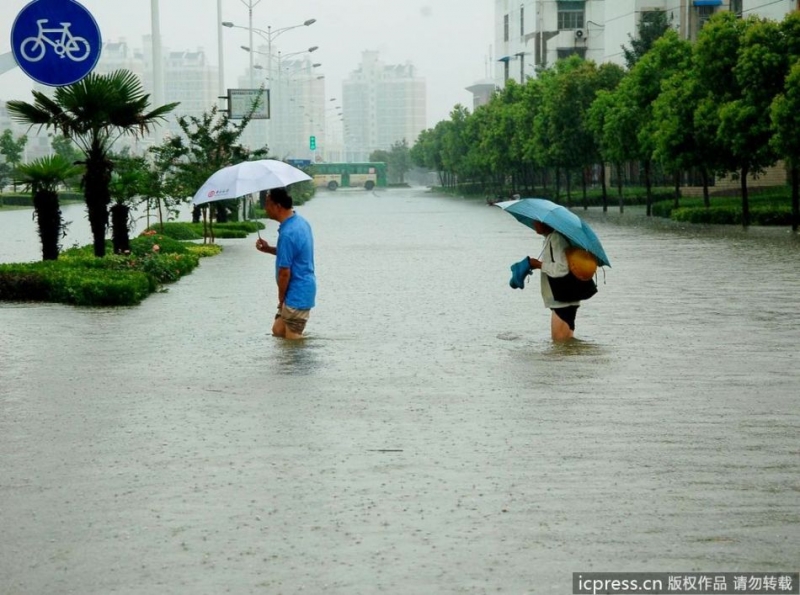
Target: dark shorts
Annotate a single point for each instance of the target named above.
(567, 315)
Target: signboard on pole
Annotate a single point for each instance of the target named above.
(56, 42)
(240, 102)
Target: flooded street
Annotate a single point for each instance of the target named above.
(427, 437)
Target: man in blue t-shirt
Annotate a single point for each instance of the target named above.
(294, 266)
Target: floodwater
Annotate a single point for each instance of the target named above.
(427, 437)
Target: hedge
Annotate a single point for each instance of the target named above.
(194, 231)
(730, 215)
(79, 278)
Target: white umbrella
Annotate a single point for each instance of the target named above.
(246, 177)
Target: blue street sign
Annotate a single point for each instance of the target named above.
(55, 42)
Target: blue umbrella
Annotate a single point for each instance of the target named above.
(561, 219)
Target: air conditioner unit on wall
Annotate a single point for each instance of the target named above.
(579, 33)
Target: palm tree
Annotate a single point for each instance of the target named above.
(42, 177)
(94, 113)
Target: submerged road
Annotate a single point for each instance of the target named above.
(427, 437)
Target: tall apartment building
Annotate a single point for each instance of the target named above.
(531, 34)
(188, 78)
(383, 104)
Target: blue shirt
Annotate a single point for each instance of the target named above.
(295, 251)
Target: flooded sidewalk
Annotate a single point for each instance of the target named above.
(427, 437)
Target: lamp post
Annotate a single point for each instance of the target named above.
(250, 4)
(158, 65)
(269, 35)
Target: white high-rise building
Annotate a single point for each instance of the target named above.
(533, 34)
(383, 104)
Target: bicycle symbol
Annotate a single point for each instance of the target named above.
(75, 48)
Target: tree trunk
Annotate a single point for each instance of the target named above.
(558, 184)
(120, 237)
(677, 180)
(160, 215)
(648, 185)
(583, 186)
(95, 187)
(568, 177)
(221, 212)
(795, 198)
(605, 186)
(706, 198)
(619, 188)
(745, 199)
(48, 214)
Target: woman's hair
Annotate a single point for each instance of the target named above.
(280, 197)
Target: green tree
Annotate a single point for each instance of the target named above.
(426, 152)
(128, 183)
(12, 149)
(615, 115)
(684, 118)
(379, 156)
(652, 25)
(399, 161)
(94, 113)
(5, 177)
(455, 145)
(162, 187)
(745, 127)
(43, 176)
(785, 114)
(209, 143)
(668, 56)
(65, 147)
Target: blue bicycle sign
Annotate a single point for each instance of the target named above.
(55, 42)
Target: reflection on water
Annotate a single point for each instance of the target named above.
(575, 348)
(662, 436)
(297, 358)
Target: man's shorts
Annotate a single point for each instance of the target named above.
(294, 319)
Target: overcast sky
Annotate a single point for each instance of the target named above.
(448, 41)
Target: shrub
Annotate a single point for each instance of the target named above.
(87, 287)
(194, 231)
(145, 244)
(732, 215)
(204, 250)
(176, 230)
(19, 283)
(72, 283)
(80, 278)
(166, 268)
(713, 215)
(775, 215)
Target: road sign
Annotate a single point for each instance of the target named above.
(55, 42)
(240, 103)
(312, 142)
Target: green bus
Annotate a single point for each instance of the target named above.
(349, 175)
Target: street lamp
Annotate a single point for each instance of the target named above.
(269, 35)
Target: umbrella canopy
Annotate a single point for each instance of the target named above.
(561, 219)
(246, 177)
